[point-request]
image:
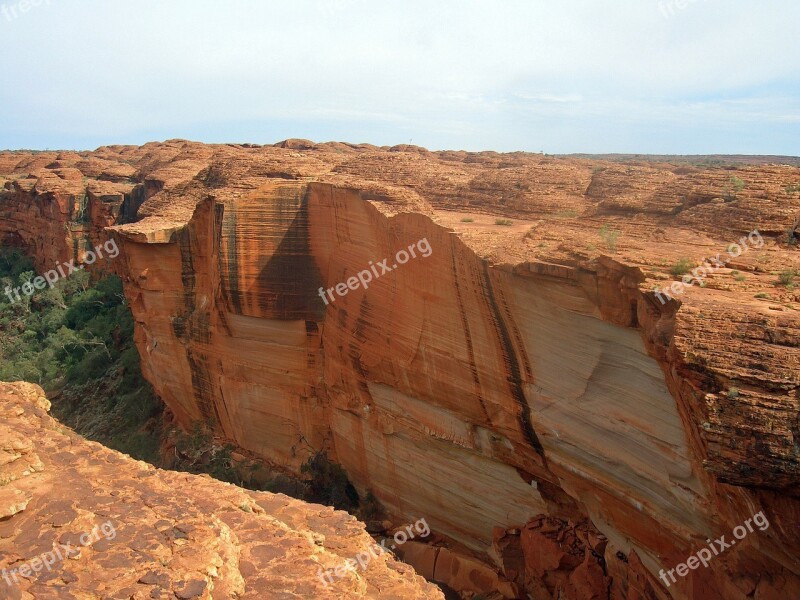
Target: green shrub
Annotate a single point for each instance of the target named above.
(93, 365)
(732, 189)
(787, 277)
(609, 236)
(682, 267)
(141, 445)
(193, 443)
(504, 222)
(283, 484)
(328, 483)
(221, 465)
(200, 453)
(131, 368)
(467, 220)
(370, 509)
(13, 263)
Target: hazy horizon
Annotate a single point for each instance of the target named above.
(352, 143)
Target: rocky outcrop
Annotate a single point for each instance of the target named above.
(80, 521)
(520, 386)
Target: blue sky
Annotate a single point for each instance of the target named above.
(559, 76)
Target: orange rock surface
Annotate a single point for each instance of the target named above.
(523, 373)
(159, 534)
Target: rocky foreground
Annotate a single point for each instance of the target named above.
(159, 534)
(539, 385)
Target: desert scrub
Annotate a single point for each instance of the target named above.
(567, 214)
(200, 453)
(682, 267)
(787, 277)
(732, 189)
(467, 220)
(504, 222)
(610, 236)
(371, 509)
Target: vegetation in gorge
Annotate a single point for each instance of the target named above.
(76, 341)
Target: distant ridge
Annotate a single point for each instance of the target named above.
(706, 160)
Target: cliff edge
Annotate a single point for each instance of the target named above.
(78, 520)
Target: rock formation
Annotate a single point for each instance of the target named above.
(78, 520)
(521, 387)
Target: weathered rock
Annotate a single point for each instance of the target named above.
(118, 528)
(565, 559)
(517, 371)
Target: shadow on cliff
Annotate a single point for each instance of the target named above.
(289, 283)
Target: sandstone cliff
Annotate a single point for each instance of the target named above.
(520, 384)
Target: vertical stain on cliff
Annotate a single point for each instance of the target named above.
(230, 269)
(514, 375)
(193, 326)
(473, 365)
(355, 349)
(218, 290)
(187, 270)
(202, 387)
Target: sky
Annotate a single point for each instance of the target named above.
(554, 76)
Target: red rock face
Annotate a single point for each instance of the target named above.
(521, 378)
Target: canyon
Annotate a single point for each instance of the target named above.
(564, 433)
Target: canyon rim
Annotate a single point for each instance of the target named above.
(517, 384)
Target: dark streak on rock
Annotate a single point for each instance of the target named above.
(512, 363)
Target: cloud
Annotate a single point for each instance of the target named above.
(554, 98)
(471, 73)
